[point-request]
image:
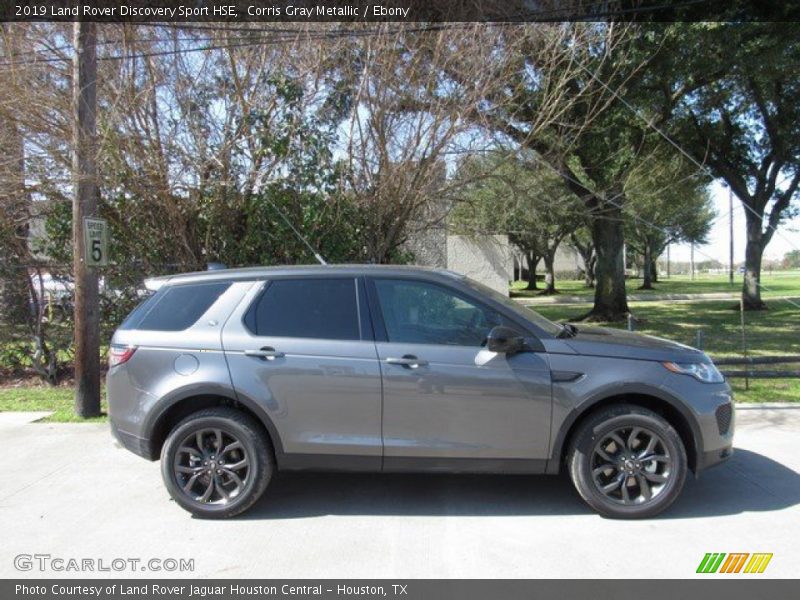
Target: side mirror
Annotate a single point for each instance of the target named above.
(505, 340)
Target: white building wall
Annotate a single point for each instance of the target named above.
(487, 260)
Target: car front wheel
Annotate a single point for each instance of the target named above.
(217, 462)
(627, 462)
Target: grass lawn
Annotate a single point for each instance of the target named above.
(41, 397)
(776, 284)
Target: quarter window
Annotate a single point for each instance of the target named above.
(175, 307)
(306, 308)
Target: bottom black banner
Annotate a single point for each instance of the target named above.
(409, 589)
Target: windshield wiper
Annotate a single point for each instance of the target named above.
(568, 330)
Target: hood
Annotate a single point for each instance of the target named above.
(618, 343)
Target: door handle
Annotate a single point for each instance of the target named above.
(266, 353)
(410, 361)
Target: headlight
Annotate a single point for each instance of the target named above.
(705, 372)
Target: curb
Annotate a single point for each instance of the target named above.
(766, 405)
(533, 301)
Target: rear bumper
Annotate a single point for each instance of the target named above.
(140, 446)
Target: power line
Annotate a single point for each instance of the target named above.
(245, 42)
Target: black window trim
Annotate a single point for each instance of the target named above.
(362, 315)
(380, 326)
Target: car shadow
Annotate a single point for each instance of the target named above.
(747, 482)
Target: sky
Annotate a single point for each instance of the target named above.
(785, 239)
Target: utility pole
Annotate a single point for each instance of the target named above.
(730, 225)
(84, 204)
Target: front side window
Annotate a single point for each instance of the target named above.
(416, 312)
(306, 308)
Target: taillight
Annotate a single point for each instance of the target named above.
(118, 355)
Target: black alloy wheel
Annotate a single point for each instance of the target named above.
(217, 462)
(627, 462)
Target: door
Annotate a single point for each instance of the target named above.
(303, 350)
(449, 403)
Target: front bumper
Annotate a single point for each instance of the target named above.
(717, 428)
(713, 458)
(710, 414)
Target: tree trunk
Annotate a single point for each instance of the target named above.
(647, 269)
(550, 274)
(588, 275)
(654, 269)
(533, 260)
(610, 299)
(751, 289)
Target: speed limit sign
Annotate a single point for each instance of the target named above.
(95, 242)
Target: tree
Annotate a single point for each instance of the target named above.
(554, 94)
(218, 209)
(207, 155)
(399, 129)
(791, 260)
(733, 107)
(29, 109)
(531, 87)
(668, 202)
(508, 194)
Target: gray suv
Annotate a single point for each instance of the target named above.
(229, 376)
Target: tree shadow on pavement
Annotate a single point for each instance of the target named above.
(747, 482)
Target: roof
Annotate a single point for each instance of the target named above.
(247, 273)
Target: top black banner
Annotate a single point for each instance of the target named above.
(411, 11)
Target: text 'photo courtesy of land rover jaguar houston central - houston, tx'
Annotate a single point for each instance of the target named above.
(231, 375)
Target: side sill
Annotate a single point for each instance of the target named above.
(498, 466)
(372, 464)
(328, 462)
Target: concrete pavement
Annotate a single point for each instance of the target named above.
(69, 492)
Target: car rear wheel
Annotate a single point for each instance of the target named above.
(627, 462)
(217, 462)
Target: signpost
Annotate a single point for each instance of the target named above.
(95, 242)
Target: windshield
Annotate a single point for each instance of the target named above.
(524, 312)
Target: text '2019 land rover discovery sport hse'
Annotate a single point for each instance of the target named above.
(230, 375)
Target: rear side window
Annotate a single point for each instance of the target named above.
(175, 308)
(306, 308)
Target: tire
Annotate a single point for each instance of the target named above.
(213, 485)
(630, 486)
